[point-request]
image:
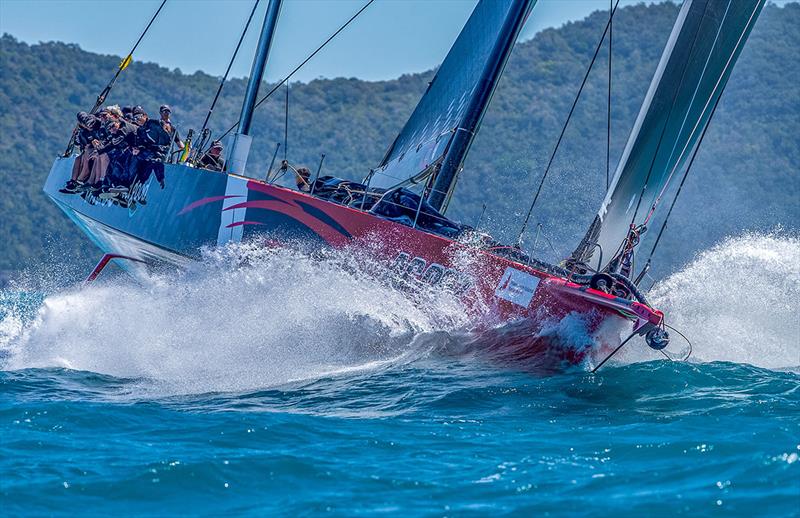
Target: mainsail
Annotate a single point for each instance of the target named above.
(438, 134)
(705, 42)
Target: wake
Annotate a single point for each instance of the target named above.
(738, 302)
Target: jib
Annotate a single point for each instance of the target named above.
(417, 270)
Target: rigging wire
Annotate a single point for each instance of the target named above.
(102, 97)
(628, 241)
(608, 129)
(683, 181)
(302, 64)
(615, 351)
(227, 71)
(566, 123)
(286, 125)
(122, 66)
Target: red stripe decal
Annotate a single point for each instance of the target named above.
(205, 201)
(242, 223)
(329, 234)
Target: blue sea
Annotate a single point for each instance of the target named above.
(242, 391)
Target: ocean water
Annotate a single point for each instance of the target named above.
(289, 385)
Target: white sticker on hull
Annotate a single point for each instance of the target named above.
(517, 286)
(236, 188)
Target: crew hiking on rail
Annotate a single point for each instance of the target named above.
(121, 148)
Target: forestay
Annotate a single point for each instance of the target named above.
(441, 128)
(697, 61)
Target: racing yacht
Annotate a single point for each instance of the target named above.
(397, 212)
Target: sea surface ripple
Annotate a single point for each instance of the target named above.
(243, 391)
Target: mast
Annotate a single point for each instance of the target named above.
(462, 140)
(241, 140)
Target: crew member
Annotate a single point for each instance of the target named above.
(127, 113)
(169, 127)
(211, 159)
(88, 127)
(302, 177)
(136, 115)
(118, 147)
(152, 144)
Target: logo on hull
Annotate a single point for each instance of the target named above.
(517, 287)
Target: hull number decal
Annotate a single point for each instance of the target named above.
(409, 270)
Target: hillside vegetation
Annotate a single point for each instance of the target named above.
(745, 177)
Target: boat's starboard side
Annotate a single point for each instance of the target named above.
(198, 208)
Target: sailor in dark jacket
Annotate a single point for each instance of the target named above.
(87, 130)
(118, 146)
(152, 145)
(211, 159)
(127, 113)
(165, 111)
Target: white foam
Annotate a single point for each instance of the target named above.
(738, 301)
(247, 318)
(225, 325)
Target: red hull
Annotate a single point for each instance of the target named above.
(524, 314)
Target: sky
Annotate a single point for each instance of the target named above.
(390, 38)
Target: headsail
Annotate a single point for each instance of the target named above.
(440, 131)
(698, 59)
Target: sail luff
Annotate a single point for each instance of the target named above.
(697, 129)
(462, 140)
(438, 133)
(705, 42)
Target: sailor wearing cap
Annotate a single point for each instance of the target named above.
(211, 159)
(168, 126)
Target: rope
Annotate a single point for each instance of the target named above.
(689, 342)
(566, 123)
(613, 352)
(301, 65)
(683, 180)
(608, 128)
(227, 71)
(122, 66)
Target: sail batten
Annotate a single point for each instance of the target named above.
(436, 138)
(697, 61)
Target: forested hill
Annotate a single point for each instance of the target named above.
(745, 177)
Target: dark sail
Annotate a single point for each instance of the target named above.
(439, 132)
(702, 49)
